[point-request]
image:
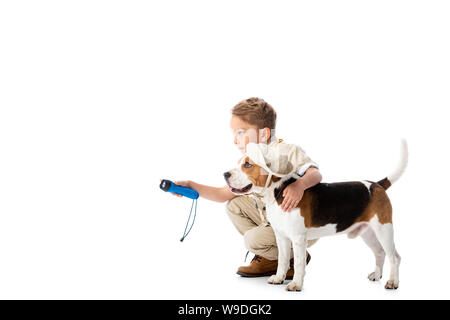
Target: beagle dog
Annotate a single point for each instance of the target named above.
(357, 208)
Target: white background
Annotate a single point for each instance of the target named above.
(101, 99)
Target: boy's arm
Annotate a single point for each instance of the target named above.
(294, 192)
(221, 194)
(311, 177)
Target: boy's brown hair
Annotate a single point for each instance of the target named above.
(257, 112)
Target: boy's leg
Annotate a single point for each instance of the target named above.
(261, 241)
(258, 239)
(243, 213)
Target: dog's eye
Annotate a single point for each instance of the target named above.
(247, 165)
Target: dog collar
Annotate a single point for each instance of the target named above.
(269, 177)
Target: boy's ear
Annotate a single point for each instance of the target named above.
(268, 134)
(265, 133)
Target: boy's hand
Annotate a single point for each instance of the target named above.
(292, 194)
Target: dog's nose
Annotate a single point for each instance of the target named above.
(227, 175)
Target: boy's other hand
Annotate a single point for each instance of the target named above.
(292, 194)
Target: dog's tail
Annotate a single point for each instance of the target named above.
(397, 173)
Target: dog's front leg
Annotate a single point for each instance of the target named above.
(284, 254)
(299, 244)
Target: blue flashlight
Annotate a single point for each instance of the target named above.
(169, 186)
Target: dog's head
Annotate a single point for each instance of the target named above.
(248, 178)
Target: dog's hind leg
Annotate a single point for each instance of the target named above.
(372, 242)
(385, 235)
(284, 253)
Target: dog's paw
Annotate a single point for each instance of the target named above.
(374, 276)
(275, 280)
(391, 284)
(294, 286)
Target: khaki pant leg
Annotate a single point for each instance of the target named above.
(262, 242)
(246, 218)
(243, 213)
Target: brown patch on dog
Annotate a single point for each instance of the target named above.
(385, 183)
(306, 208)
(379, 205)
(274, 179)
(257, 175)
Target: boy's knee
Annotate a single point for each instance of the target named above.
(251, 239)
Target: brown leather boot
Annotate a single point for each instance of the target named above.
(261, 267)
(258, 267)
(290, 273)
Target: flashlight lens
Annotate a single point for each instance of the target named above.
(165, 185)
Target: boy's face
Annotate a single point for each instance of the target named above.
(245, 133)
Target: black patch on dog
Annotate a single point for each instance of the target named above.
(340, 203)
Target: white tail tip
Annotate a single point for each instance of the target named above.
(401, 166)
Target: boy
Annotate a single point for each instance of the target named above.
(253, 120)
